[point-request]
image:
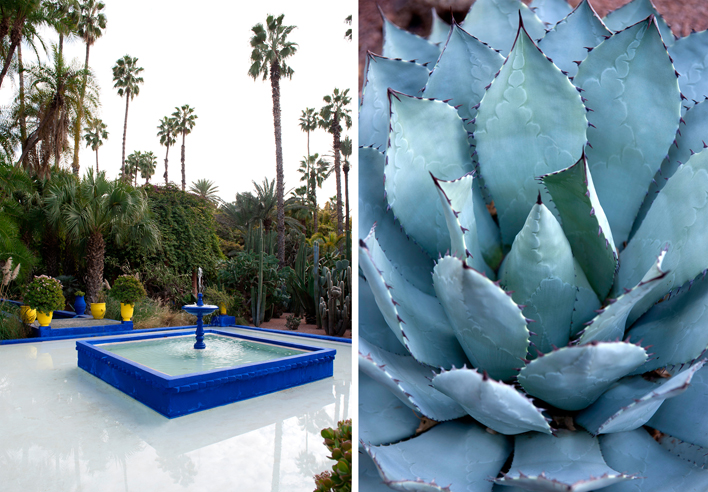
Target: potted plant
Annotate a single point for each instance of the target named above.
(128, 290)
(79, 303)
(98, 308)
(45, 295)
(218, 297)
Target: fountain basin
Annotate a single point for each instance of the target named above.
(199, 388)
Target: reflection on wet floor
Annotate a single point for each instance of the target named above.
(65, 430)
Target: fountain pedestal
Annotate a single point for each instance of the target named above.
(200, 309)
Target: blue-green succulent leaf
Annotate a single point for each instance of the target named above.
(586, 301)
(414, 152)
(408, 380)
(407, 46)
(423, 463)
(690, 55)
(383, 418)
(611, 321)
(573, 37)
(458, 205)
(488, 323)
(539, 270)
(369, 478)
(488, 234)
(416, 318)
(570, 461)
(657, 470)
(677, 221)
(372, 325)
(631, 402)
(689, 140)
(636, 11)
(440, 29)
(572, 378)
(696, 455)
(492, 403)
(381, 73)
(550, 11)
(618, 78)
(677, 329)
(495, 22)
(466, 66)
(409, 260)
(585, 224)
(530, 122)
(684, 416)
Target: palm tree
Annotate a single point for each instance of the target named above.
(132, 165)
(126, 77)
(15, 17)
(314, 171)
(308, 123)
(207, 190)
(146, 165)
(331, 115)
(346, 147)
(185, 119)
(63, 16)
(167, 131)
(270, 50)
(96, 207)
(95, 134)
(91, 22)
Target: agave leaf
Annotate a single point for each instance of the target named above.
(414, 152)
(488, 234)
(572, 378)
(585, 224)
(530, 122)
(677, 220)
(689, 140)
(407, 46)
(424, 464)
(440, 29)
(466, 66)
(408, 380)
(618, 78)
(657, 470)
(458, 205)
(369, 478)
(570, 462)
(372, 325)
(676, 329)
(684, 416)
(586, 301)
(487, 322)
(382, 73)
(696, 455)
(383, 418)
(539, 271)
(611, 322)
(690, 55)
(550, 11)
(631, 402)
(573, 37)
(409, 260)
(417, 319)
(495, 22)
(636, 11)
(492, 403)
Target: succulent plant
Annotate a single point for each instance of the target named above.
(339, 443)
(533, 210)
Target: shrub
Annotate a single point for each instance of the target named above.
(127, 289)
(292, 322)
(44, 294)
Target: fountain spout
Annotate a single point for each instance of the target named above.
(200, 309)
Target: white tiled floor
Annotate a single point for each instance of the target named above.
(62, 429)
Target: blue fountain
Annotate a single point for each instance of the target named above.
(200, 309)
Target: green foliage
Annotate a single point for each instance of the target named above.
(339, 443)
(11, 326)
(127, 289)
(292, 322)
(44, 294)
(79, 293)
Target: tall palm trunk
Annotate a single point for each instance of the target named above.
(80, 117)
(15, 38)
(95, 251)
(345, 169)
(96, 160)
(23, 117)
(279, 186)
(184, 178)
(125, 132)
(337, 172)
(314, 201)
(166, 153)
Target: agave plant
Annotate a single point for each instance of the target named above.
(533, 209)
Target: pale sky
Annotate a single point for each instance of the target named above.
(200, 56)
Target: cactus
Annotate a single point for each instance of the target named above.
(339, 443)
(335, 305)
(533, 208)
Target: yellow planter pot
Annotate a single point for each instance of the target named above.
(98, 310)
(27, 314)
(44, 319)
(126, 311)
(222, 308)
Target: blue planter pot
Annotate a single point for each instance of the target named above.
(79, 305)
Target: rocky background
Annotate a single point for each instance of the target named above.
(416, 16)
